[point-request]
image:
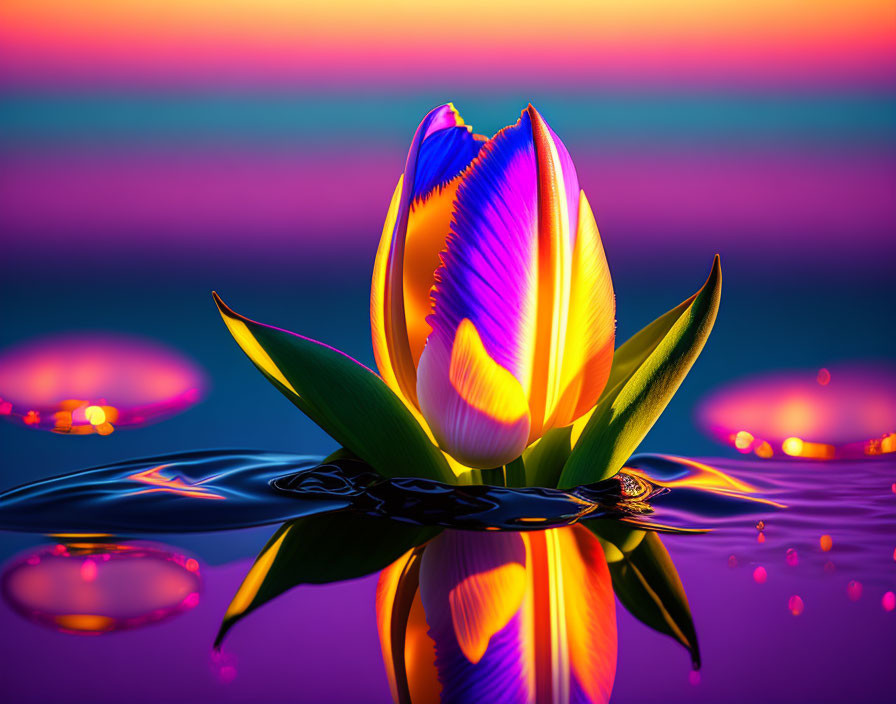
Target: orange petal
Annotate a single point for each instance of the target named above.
(429, 223)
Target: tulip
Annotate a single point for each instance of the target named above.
(500, 616)
(492, 307)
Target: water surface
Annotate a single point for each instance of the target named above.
(755, 648)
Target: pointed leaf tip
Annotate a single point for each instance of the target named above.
(647, 583)
(647, 371)
(346, 399)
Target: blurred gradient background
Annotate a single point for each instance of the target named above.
(153, 151)
(150, 152)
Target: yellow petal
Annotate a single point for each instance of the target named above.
(481, 382)
(378, 297)
(591, 325)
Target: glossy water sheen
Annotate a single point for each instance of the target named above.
(815, 626)
(852, 502)
(219, 490)
(174, 493)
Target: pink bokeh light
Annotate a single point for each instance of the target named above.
(90, 587)
(847, 411)
(95, 383)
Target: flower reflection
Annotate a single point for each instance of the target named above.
(94, 384)
(89, 587)
(515, 617)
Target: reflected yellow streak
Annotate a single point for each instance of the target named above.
(79, 535)
(85, 623)
(253, 581)
(709, 478)
(175, 485)
(559, 638)
(796, 447)
(590, 612)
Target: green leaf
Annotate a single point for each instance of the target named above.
(617, 538)
(545, 459)
(647, 371)
(345, 398)
(647, 583)
(515, 473)
(318, 550)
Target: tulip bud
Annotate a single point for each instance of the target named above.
(492, 306)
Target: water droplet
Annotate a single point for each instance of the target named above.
(694, 677)
(88, 570)
(792, 446)
(732, 561)
(760, 525)
(224, 666)
(764, 450)
(826, 542)
(104, 429)
(95, 415)
(888, 601)
(760, 538)
(854, 590)
(760, 575)
(823, 377)
(795, 605)
(829, 567)
(743, 440)
(793, 559)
